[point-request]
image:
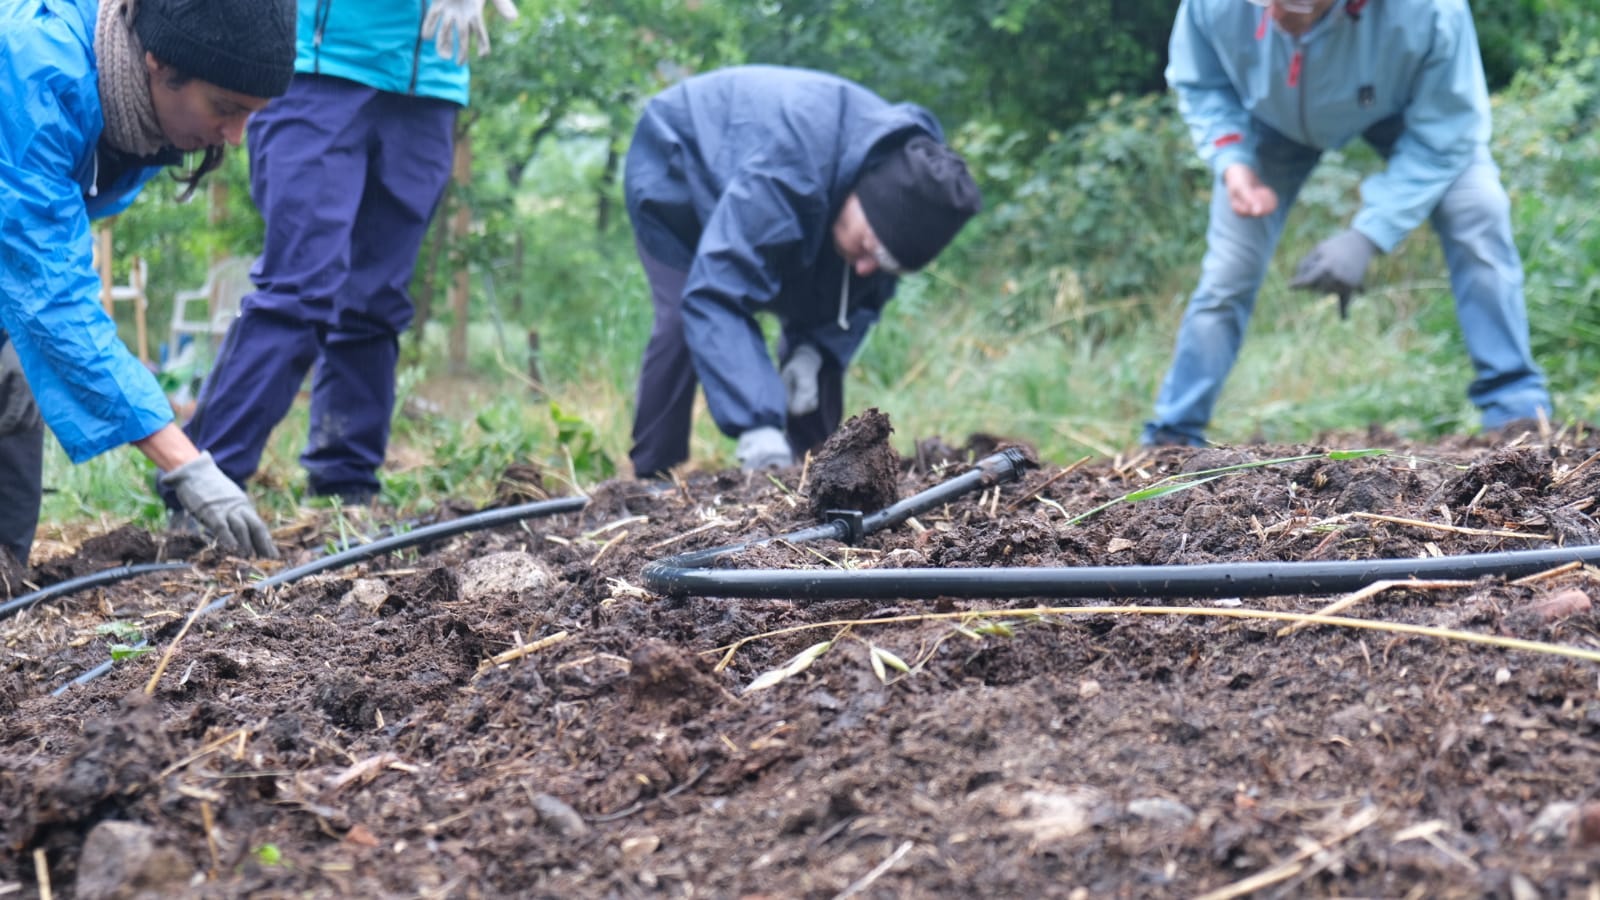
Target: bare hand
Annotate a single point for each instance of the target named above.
(1248, 196)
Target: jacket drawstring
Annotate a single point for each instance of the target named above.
(844, 299)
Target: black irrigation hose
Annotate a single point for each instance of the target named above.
(1251, 579)
(474, 522)
(83, 583)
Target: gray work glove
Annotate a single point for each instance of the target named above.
(221, 506)
(452, 24)
(763, 448)
(800, 379)
(1338, 265)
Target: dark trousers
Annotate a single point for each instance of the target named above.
(347, 179)
(21, 457)
(664, 406)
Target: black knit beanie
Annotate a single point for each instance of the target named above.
(241, 45)
(916, 199)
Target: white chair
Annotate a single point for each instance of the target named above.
(226, 284)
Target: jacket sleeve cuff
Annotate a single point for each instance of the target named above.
(1378, 229)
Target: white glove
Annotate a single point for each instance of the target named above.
(800, 379)
(451, 24)
(763, 448)
(221, 506)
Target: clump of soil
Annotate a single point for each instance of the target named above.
(856, 469)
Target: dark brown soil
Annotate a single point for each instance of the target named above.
(352, 735)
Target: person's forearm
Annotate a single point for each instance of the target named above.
(168, 448)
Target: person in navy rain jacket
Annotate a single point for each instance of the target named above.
(1265, 87)
(347, 170)
(786, 191)
(100, 99)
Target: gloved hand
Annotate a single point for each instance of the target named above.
(451, 24)
(763, 448)
(800, 379)
(1338, 265)
(221, 506)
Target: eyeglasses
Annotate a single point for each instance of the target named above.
(1293, 6)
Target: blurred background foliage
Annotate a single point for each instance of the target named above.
(1049, 320)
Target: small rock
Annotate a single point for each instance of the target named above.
(367, 593)
(125, 861)
(1522, 888)
(1552, 609)
(1161, 811)
(635, 849)
(1502, 675)
(511, 572)
(1550, 827)
(1088, 689)
(560, 818)
(1586, 826)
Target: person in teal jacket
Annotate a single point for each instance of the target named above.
(347, 170)
(1266, 87)
(100, 99)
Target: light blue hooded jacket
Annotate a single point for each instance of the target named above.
(1364, 61)
(91, 391)
(377, 43)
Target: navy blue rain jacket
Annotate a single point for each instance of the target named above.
(736, 176)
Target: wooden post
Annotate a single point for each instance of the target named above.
(460, 224)
(137, 277)
(102, 263)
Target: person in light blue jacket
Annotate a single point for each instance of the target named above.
(1265, 87)
(347, 169)
(790, 192)
(100, 99)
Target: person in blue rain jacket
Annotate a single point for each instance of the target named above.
(1266, 87)
(347, 169)
(762, 189)
(99, 102)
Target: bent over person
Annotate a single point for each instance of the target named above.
(101, 99)
(1265, 88)
(760, 189)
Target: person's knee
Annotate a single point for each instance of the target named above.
(1476, 203)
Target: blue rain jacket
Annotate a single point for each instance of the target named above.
(1361, 63)
(91, 391)
(736, 176)
(377, 43)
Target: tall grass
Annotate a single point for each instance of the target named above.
(1051, 319)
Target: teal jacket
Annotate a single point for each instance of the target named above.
(91, 391)
(1363, 62)
(377, 43)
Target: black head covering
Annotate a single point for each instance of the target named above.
(241, 45)
(917, 198)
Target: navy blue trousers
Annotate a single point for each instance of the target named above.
(664, 408)
(347, 179)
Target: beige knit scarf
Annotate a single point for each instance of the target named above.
(131, 124)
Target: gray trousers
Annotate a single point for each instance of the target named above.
(21, 457)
